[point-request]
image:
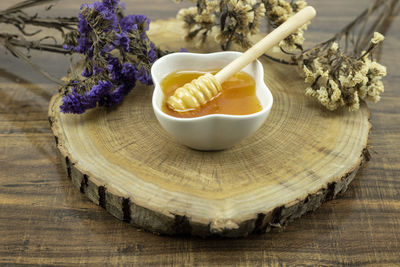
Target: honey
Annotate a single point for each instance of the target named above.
(237, 97)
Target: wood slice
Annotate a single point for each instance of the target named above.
(123, 160)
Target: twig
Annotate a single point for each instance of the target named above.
(362, 18)
(282, 61)
(22, 18)
(22, 56)
(16, 17)
(36, 45)
(25, 4)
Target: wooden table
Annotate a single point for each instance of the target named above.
(45, 220)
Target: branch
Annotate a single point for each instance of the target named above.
(36, 45)
(22, 18)
(279, 60)
(25, 4)
(382, 18)
(22, 56)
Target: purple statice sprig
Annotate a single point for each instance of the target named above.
(116, 54)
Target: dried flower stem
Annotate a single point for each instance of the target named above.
(337, 77)
(20, 19)
(343, 77)
(25, 4)
(18, 41)
(15, 16)
(22, 56)
(362, 37)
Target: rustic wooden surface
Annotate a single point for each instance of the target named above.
(138, 173)
(45, 220)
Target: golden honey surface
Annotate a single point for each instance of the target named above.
(237, 97)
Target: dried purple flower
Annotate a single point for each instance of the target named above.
(131, 22)
(73, 103)
(117, 53)
(77, 103)
(87, 72)
(152, 53)
(143, 77)
(100, 90)
(122, 39)
(129, 74)
(108, 11)
(114, 68)
(97, 70)
(84, 45)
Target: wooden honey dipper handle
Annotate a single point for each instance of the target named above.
(280, 33)
(205, 88)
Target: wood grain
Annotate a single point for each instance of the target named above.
(124, 161)
(45, 220)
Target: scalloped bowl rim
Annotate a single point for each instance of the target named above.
(158, 90)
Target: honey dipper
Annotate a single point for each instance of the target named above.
(203, 89)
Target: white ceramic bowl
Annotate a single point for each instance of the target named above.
(216, 131)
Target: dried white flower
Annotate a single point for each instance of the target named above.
(309, 75)
(298, 5)
(377, 69)
(377, 38)
(340, 80)
(234, 21)
(334, 47)
(336, 78)
(280, 11)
